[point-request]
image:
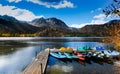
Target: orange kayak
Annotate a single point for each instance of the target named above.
(81, 56)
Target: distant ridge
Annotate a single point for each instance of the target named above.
(9, 24)
(51, 27)
(98, 29)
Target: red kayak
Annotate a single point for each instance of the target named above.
(81, 56)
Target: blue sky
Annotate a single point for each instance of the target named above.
(75, 13)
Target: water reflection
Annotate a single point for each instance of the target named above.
(56, 66)
(17, 61)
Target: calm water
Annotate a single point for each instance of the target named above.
(17, 52)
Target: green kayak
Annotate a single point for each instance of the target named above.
(84, 48)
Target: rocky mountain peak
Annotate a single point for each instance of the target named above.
(49, 22)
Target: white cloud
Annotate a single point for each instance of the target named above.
(97, 19)
(56, 5)
(100, 16)
(16, 1)
(20, 14)
(61, 4)
(96, 10)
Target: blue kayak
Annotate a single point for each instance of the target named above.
(70, 56)
(62, 54)
(56, 55)
(100, 48)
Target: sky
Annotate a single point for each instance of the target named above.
(75, 13)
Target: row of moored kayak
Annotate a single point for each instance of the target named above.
(84, 52)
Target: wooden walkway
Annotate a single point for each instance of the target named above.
(38, 65)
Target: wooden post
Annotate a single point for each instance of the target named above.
(41, 68)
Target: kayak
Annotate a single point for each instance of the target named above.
(68, 49)
(111, 53)
(89, 54)
(81, 56)
(100, 48)
(62, 54)
(106, 53)
(84, 48)
(98, 55)
(56, 55)
(73, 56)
(68, 55)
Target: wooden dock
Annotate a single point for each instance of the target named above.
(38, 65)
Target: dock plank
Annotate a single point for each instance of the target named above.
(38, 65)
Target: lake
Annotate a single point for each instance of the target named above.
(17, 52)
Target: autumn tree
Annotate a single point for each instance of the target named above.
(114, 31)
(113, 8)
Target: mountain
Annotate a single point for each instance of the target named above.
(114, 22)
(9, 24)
(99, 29)
(8, 18)
(53, 27)
(49, 23)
